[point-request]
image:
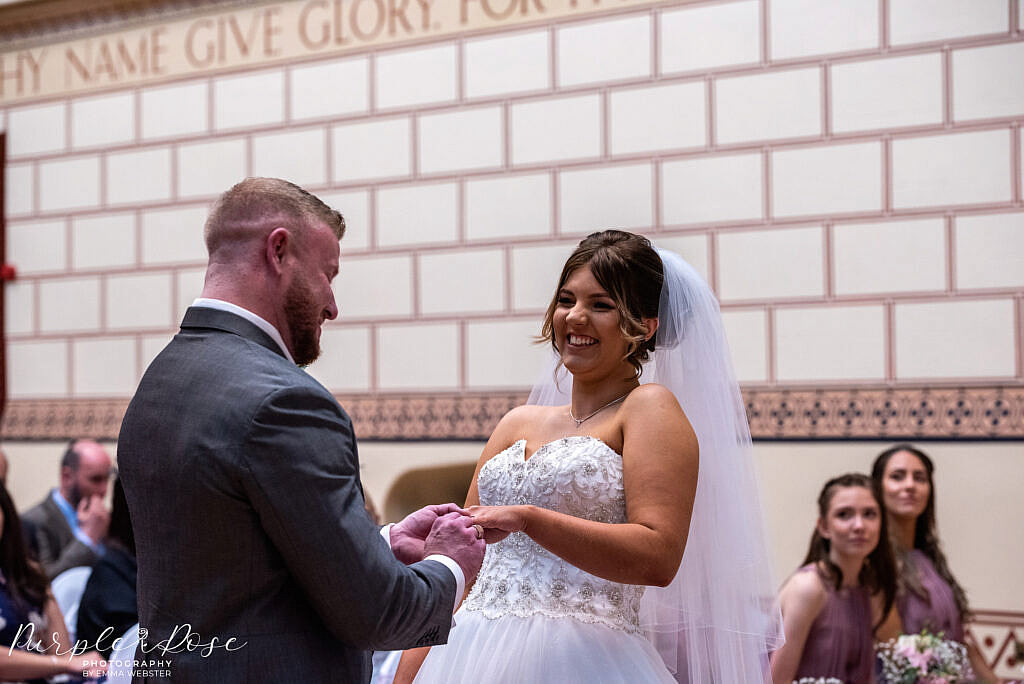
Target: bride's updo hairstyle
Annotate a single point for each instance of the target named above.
(631, 272)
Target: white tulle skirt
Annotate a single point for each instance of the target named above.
(540, 650)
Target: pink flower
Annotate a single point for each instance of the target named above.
(919, 660)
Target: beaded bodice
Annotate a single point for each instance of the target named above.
(579, 476)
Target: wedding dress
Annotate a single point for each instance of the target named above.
(532, 617)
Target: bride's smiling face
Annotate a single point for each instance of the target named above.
(586, 326)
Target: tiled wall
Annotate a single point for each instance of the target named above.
(847, 174)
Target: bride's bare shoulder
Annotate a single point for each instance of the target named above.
(526, 417)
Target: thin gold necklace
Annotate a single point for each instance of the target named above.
(579, 421)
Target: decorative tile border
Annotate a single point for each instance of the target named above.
(987, 413)
(999, 636)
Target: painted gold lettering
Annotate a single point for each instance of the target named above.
(396, 13)
(104, 63)
(207, 57)
(271, 29)
(425, 6)
(157, 48)
(308, 41)
(75, 66)
(243, 43)
(358, 29)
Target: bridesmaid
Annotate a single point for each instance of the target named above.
(928, 596)
(831, 605)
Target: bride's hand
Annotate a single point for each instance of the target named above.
(499, 521)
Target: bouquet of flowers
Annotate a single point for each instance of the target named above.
(817, 680)
(924, 659)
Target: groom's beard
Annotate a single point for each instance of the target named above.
(303, 319)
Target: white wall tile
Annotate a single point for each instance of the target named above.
(765, 264)
(105, 120)
(983, 81)
(893, 256)
(418, 356)
(188, 286)
(709, 36)
(830, 343)
(488, 69)
(607, 50)
(465, 281)
(373, 149)
(464, 139)
(607, 197)
(692, 247)
(707, 189)
(827, 179)
(206, 169)
(781, 104)
(333, 88)
(989, 250)
(377, 287)
(139, 301)
(69, 183)
(37, 369)
(415, 214)
(535, 272)
(104, 367)
(37, 246)
(36, 129)
(19, 307)
(563, 128)
(502, 354)
(69, 304)
(887, 93)
(355, 207)
(919, 21)
(959, 168)
(508, 206)
(103, 241)
(19, 189)
(299, 156)
(173, 236)
(658, 118)
(175, 110)
(965, 339)
(344, 363)
(414, 77)
(746, 331)
(252, 99)
(806, 27)
(139, 176)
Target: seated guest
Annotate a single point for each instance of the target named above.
(29, 617)
(831, 605)
(70, 524)
(109, 600)
(928, 595)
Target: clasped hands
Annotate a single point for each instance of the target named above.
(450, 530)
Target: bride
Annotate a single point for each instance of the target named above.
(590, 495)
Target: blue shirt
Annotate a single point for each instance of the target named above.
(72, 517)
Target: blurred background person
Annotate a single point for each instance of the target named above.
(25, 598)
(109, 599)
(928, 596)
(69, 526)
(847, 584)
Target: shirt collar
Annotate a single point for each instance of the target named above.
(259, 322)
(65, 508)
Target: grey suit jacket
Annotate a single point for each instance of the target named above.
(242, 479)
(58, 547)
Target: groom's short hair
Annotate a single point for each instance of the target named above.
(258, 205)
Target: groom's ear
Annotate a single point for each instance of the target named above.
(278, 243)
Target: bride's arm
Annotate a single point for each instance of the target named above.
(659, 458)
(501, 438)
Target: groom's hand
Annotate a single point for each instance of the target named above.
(454, 535)
(408, 536)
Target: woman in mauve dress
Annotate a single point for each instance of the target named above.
(928, 595)
(833, 603)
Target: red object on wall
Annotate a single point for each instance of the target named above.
(7, 272)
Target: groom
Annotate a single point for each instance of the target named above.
(257, 561)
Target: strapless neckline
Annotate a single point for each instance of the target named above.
(545, 446)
